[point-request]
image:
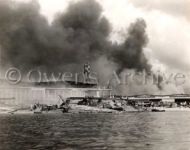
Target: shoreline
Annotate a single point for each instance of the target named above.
(89, 109)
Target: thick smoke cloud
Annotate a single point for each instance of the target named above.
(130, 54)
(79, 35)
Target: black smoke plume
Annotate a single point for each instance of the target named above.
(74, 37)
(130, 54)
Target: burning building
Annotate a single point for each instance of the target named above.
(47, 92)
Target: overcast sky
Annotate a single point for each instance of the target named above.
(168, 26)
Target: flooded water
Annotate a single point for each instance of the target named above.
(144, 131)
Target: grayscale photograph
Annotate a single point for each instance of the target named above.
(94, 74)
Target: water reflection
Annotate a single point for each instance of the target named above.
(96, 131)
